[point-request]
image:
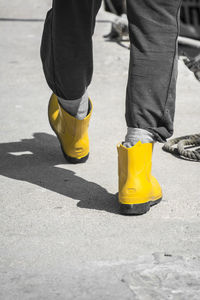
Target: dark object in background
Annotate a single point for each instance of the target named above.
(190, 28)
(190, 19)
(118, 5)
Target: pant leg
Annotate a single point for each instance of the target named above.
(66, 49)
(151, 88)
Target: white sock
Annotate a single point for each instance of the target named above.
(135, 135)
(78, 108)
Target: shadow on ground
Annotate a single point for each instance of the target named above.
(35, 160)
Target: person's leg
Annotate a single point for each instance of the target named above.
(66, 53)
(66, 49)
(150, 103)
(151, 89)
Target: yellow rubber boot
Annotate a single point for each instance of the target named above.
(138, 189)
(71, 132)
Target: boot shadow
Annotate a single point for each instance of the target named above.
(36, 164)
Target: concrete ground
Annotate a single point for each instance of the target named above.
(61, 236)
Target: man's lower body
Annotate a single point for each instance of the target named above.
(66, 53)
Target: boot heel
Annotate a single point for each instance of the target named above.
(134, 209)
(74, 160)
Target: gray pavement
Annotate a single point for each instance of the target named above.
(61, 236)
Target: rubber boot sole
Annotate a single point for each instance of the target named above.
(70, 159)
(137, 209)
(73, 160)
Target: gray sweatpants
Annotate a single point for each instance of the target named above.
(66, 53)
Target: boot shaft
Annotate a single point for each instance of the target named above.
(134, 167)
